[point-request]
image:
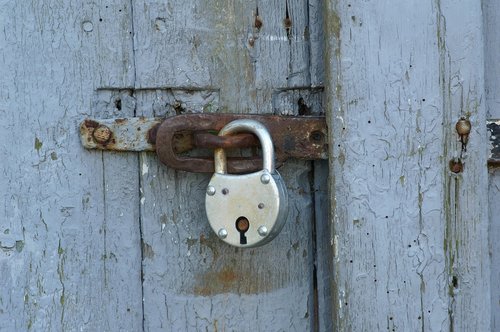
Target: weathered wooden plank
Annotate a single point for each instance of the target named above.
(193, 281)
(316, 39)
(120, 232)
(405, 229)
(494, 194)
(491, 19)
(466, 196)
(53, 217)
(323, 249)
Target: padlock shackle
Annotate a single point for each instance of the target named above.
(250, 126)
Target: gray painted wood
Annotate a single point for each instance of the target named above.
(193, 281)
(79, 229)
(323, 249)
(491, 10)
(69, 259)
(494, 192)
(410, 238)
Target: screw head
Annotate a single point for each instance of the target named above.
(262, 230)
(211, 190)
(265, 178)
(102, 134)
(222, 233)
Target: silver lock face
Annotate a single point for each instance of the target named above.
(247, 210)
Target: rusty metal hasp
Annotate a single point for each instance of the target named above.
(303, 137)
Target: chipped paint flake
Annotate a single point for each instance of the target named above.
(145, 168)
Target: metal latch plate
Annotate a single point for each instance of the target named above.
(303, 137)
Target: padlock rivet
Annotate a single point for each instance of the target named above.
(222, 233)
(262, 230)
(265, 178)
(210, 191)
(261, 206)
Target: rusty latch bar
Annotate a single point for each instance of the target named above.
(127, 134)
(302, 137)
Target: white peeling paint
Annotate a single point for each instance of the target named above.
(145, 168)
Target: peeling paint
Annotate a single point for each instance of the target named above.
(145, 168)
(38, 144)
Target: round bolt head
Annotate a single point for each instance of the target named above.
(262, 230)
(210, 191)
(463, 126)
(265, 178)
(222, 233)
(102, 134)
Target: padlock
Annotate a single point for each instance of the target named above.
(247, 210)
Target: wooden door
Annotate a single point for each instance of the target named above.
(382, 237)
(102, 241)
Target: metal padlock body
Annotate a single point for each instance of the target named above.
(259, 197)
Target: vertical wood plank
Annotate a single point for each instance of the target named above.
(398, 76)
(323, 249)
(491, 11)
(462, 77)
(192, 280)
(494, 192)
(61, 267)
(120, 234)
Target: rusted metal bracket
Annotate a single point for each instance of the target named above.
(128, 134)
(494, 135)
(172, 138)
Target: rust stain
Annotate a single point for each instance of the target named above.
(227, 280)
(91, 123)
(456, 166)
(121, 121)
(151, 134)
(258, 21)
(210, 243)
(232, 274)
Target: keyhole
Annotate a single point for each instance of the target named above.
(242, 225)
